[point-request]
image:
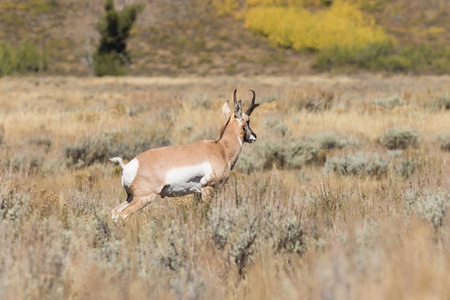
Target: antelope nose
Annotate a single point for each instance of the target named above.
(252, 138)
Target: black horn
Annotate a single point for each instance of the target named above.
(253, 105)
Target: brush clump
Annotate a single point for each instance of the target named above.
(400, 138)
(362, 164)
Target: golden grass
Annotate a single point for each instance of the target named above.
(360, 237)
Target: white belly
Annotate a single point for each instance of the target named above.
(186, 180)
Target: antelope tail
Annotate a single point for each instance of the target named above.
(119, 161)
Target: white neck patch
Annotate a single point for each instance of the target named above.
(240, 141)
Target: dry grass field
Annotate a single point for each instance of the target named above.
(344, 195)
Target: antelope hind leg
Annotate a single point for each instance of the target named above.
(136, 204)
(116, 211)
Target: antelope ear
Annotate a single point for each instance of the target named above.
(238, 110)
(226, 111)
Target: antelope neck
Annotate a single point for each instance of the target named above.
(232, 142)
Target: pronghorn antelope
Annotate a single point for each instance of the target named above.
(185, 169)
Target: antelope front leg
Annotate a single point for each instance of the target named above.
(208, 193)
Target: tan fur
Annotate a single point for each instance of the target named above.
(154, 164)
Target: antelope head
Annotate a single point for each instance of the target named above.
(241, 119)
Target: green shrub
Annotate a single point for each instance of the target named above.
(370, 164)
(269, 98)
(96, 149)
(27, 160)
(108, 64)
(101, 147)
(290, 155)
(114, 29)
(315, 102)
(200, 101)
(432, 206)
(14, 205)
(327, 201)
(443, 139)
(7, 59)
(399, 138)
(331, 57)
(300, 152)
(221, 226)
(246, 230)
(441, 102)
(171, 250)
(276, 125)
(244, 245)
(273, 154)
(371, 56)
(79, 203)
(247, 164)
(40, 141)
(332, 140)
(406, 167)
(28, 58)
(395, 63)
(296, 153)
(426, 57)
(25, 59)
(383, 56)
(389, 103)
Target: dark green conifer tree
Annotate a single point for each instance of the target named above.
(114, 28)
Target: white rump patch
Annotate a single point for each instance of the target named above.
(186, 180)
(129, 172)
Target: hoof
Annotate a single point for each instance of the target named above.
(115, 216)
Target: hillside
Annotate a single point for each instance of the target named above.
(178, 38)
